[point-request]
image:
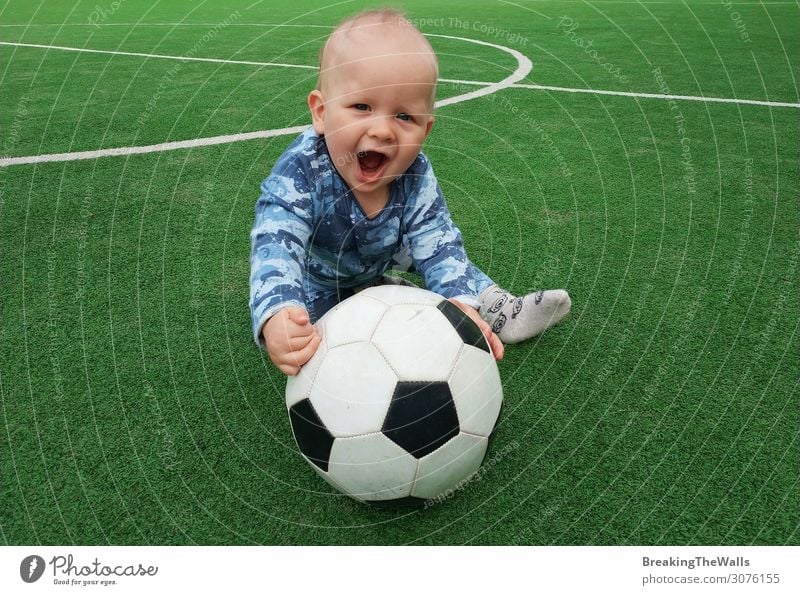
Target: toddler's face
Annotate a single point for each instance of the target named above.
(375, 113)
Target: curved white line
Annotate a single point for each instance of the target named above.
(524, 66)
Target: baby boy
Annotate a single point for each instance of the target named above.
(353, 197)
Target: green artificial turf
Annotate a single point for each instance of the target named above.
(136, 409)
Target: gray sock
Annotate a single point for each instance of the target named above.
(516, 319)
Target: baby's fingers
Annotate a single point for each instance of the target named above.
(298, 342)
(289, 369)
(301, 356)
(498, 350)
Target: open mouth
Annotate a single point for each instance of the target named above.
(370, 163)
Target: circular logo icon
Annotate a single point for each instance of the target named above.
(31, 569)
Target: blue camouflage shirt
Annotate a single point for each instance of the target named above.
(310, 235)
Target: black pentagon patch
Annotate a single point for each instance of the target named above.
(313, 438)
(465, 327)
(490, 439)
(422, 417)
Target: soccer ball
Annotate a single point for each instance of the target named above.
(400, 399)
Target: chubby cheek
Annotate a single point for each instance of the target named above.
(408, 157)
(343, 160)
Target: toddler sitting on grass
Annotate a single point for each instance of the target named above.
(353, 197)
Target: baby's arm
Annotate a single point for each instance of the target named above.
(437, 250)
(279, 238)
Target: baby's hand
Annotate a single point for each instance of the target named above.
(291, 339)
(494, 341)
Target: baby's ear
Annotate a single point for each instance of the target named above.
(316, 105)
(428, 126)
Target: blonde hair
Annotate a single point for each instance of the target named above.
(380, 16)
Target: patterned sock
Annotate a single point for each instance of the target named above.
(516, 319)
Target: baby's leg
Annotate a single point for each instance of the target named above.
(516, 319)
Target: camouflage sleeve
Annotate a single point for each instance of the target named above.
(437, 248)
(278, 242)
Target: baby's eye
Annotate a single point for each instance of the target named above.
(362, 107)
(405, 117)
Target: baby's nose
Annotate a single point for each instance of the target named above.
(381, 128)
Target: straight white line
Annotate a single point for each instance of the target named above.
(661, 96)
(631, 94)
(162, 25)
(157, 148)
(158, 56)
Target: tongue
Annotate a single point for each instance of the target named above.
(371, 160)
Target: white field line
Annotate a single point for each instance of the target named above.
(631, 94)
(519, 56)
(89, 24)
(664, 96)
(524, 66)
(157, 56)
(157, 148)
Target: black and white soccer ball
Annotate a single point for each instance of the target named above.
(400, 399)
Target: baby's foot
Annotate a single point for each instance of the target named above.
(516, 319)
